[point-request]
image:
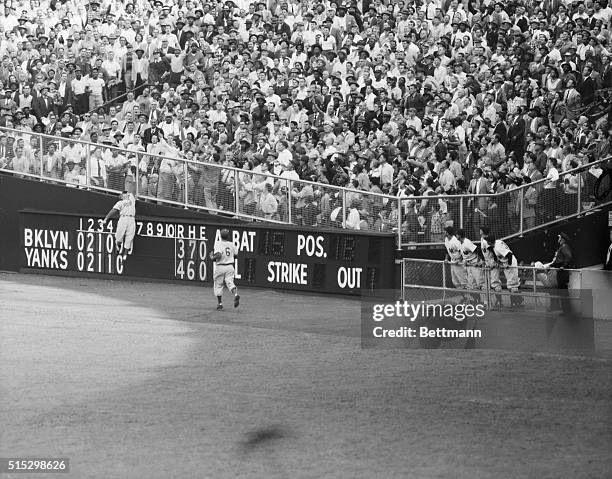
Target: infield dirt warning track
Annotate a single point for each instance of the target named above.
(147, 380)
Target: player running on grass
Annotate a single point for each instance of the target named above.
(126, 226)
(223, 255)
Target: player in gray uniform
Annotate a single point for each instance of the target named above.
(126, 226)
(223, 254)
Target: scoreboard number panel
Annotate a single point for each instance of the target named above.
(190, 259)
(96, 249)
(164, 248)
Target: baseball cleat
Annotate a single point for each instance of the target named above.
(219, 307)
(236, 301)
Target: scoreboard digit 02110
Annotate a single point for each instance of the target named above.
(169, 249)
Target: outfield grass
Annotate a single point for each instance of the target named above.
(147, 380)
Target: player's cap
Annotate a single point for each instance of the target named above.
(225, 234)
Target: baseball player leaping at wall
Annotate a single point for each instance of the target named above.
(126, 226)
(223, 255)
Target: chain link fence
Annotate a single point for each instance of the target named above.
(539, 288)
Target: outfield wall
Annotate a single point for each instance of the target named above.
(53, 229)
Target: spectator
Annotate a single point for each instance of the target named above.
(267, 203)
(407, 100)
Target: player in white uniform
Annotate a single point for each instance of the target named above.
(223, 255)
(508, 264)
(490, 262)
(126, 226)
(472, 262)
(453, 248)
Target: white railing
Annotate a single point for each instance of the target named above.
(434, 280)
(508, 214)
(192, 184)
(415, 220)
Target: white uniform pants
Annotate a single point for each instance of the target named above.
(224, 273)
(126, 230)
(474, 276)
(512, 276)
(458, 275)
(493, 275)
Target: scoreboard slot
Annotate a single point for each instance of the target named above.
(250, 268)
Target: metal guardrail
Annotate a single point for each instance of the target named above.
(508, 214)
(117, 100)
(192, 184)
(436, 280)
(207, 186)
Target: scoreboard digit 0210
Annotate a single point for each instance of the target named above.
(170, 249)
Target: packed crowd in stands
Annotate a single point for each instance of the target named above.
(434, 97)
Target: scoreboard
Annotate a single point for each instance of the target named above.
(177, 249)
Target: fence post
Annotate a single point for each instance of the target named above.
(88, 165)
(137, 179)
(461, 212)
(521, 211)
(185, 186)
(403, 279)
(487, 286)
(289, 201)
(399, 224)
(579, 192)
(40, 156)
(444, 274)
(344, 208)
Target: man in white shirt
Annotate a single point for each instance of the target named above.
(78, 85)
(285, 158)
(288, 173)
(447, 179)
(97, 168)
(353, 219)
(96, 88)
(386, 173)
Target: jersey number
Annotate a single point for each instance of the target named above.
(227, 252)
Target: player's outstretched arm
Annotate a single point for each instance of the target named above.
(113, 212)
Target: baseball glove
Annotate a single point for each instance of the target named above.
(215, 256)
